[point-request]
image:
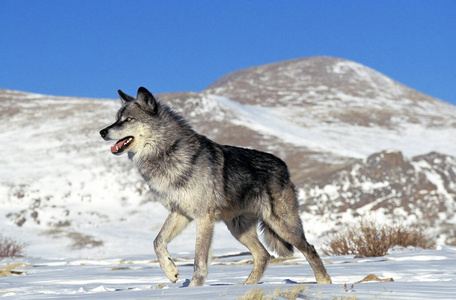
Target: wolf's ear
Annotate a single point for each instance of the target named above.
(147, 100)
(124, 97)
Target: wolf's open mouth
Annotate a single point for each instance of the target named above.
(122, 145)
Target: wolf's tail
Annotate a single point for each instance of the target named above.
(274, 241)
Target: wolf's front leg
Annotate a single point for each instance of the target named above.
(174, 225)
(204, 231)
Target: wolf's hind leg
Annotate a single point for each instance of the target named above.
(243, 228)
(314, 260)
(289, 228)
(284, 220)
(175, 223)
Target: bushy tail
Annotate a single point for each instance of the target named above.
(274, 241)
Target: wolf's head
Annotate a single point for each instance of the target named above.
(137, 123)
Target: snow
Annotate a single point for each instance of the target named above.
(417, 274)
(55, 165)
(299, 127)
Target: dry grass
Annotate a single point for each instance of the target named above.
(291, 293)
(279, 293)
(370, 239)
(285, 261)
(10, 248)
(235, 263)
(254, 294)
(9, 269)
(349, 297)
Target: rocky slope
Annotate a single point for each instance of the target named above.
(420, 190)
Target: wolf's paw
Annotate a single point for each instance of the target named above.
(170, 270)
(196, 282)
(251, 281)
(198, 279)
(323, 279)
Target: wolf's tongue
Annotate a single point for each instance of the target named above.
(118, 146)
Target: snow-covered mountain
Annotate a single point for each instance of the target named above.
(356, 142)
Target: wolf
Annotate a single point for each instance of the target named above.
(198, 179)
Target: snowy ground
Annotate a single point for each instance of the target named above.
(417, 274)
(60, 188)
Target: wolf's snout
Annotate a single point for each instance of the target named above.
(103, 133)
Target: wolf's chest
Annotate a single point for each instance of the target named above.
(189, 199)
(179, 187)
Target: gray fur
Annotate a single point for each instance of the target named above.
(198, 179)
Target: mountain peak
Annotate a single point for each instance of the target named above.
(309, 81)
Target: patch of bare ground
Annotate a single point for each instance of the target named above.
(78, 239)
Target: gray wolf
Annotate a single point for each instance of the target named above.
(198, 179)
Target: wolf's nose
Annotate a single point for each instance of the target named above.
(103, 133)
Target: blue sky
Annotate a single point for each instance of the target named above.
(92, 48)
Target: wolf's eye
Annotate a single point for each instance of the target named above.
(128, 119)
